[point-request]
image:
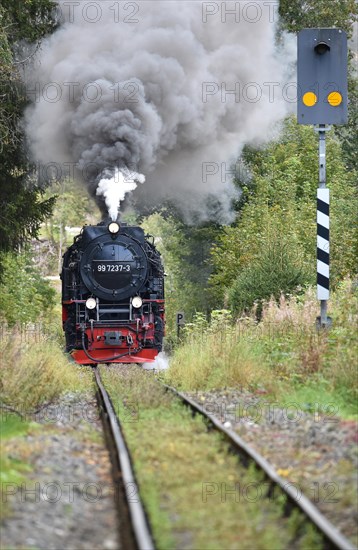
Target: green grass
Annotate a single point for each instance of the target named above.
(207, 361)
(186, 476)
(315, 396)
(12, 425)
(12, 470)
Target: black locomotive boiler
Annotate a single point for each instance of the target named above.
(113, 295)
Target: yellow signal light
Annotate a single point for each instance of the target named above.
(334, 99)
(309, 99)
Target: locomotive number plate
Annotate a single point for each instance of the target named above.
(113, 275)
(112, 267)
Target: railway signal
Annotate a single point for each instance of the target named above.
(322, 99)
(322, 77)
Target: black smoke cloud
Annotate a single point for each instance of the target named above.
(149, 95)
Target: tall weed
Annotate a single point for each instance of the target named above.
(217, 357)
(34, 372)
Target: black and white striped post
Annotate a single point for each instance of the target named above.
(323, 232)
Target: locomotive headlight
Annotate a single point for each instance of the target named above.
(91, 303)
(113, 228)
(137, 302)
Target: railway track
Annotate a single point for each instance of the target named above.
(333, 539)
(134, 528)
(139, 535)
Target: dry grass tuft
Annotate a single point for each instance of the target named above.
(312, 355)
(290, 315)
(218, 359)
(34, 372)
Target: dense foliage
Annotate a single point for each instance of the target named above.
(25, 295)
(283, 355)
(300, 14)
(272, 247)
(21, 205)
(186, 253)
(73, 210)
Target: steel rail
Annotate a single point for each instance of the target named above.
(332, 536)
(141, 530)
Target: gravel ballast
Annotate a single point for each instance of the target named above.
(69, 499)
(316, 451)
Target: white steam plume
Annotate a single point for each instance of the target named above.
(114, 187)
(153, 92)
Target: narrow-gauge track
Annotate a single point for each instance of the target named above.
(134, 530)
(333, 539)
(137, 521)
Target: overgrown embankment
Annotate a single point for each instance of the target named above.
(282, 356)
(34, 373)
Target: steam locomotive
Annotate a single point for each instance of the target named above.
(113, 296)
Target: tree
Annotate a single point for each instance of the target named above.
(301, 14)
(186, 252)
(74, 208)
(279, 269)
(26, 296)
(22, 208)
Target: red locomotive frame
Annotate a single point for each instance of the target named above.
(141, 333)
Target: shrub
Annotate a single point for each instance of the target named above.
(25, 295)
(276, 271)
